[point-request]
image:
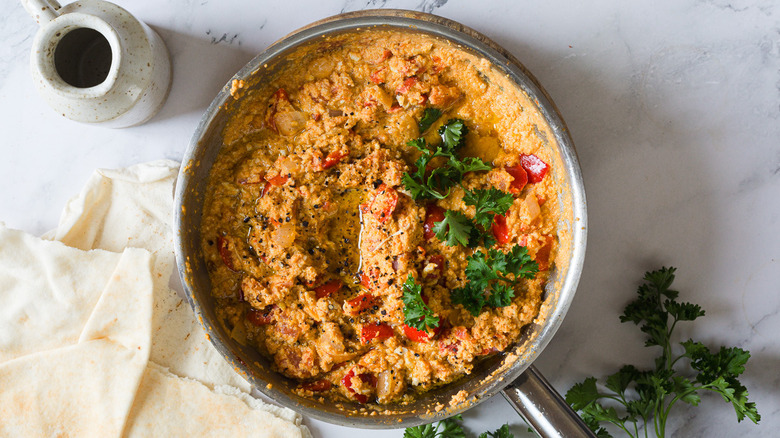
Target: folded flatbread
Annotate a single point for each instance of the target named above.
(94, 341)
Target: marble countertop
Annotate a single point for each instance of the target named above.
(674, 108)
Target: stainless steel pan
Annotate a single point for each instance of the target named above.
(510, 373)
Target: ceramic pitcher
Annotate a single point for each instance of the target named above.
(93, 62)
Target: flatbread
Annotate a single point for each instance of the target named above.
(87, 388)
(95, 342)
(68, 284)
(133, 207)
(199, 411)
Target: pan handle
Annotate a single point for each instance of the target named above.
(543, 408)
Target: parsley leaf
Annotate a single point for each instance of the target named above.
(450, 429)
(517, 261)
(468, 164)
(417, 314)
(648, 396)
(429, 117)
(454, 229)
(419, 144)
(501, 296)
(470, 296)
(453, 134)
(418, 186)
(502, 432)
(493, 277)
(488, 203)
(424, 431)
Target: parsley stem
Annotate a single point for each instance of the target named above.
(506, 279)
(656, 426)
(668, 346)
(674, 362)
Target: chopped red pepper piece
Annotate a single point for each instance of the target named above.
(365, 280)
(378, 331)
(317, 386)
(266, 188)
(362, 302)
(377, 77)
(384, 203)
(278, 180)
(386, 54)
(223, 244)
(406, 86)
(368, 378)
(534, 166)
(500, 230)
(369, 277)
(520, 178)
(433, 214)
(327, 289)
(419, 335)
(347, 383)
(333, 159)
(543, 254)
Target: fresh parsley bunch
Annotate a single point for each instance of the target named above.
(647, 397)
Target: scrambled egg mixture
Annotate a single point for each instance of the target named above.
(309, 232)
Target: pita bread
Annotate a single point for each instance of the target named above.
(198, 411)
(68, 284)
(90, 335)
(87, 388)
(133, 207)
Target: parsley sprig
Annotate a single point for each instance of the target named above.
(417, 314)
(439, 181)
(493, 277)
(648, 396)
(488, 203)
(457, 228)
(450, 428)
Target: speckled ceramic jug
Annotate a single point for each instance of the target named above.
(93, 62)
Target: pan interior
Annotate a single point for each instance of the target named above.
(490, 375)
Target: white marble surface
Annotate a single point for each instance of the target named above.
(674, 107)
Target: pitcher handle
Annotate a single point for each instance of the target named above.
(42, 11)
